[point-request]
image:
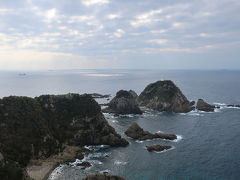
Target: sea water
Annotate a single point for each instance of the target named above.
(208, 144)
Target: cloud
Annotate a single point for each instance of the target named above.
(146, 18)
(117, 34)
(159, 31)
(75, 19)
(4, 11)
(36, 60)
(113, 16)
(177, 25)
(51, 14)
(204, 35)
(119, 29)
(158, 41)
(94, 2)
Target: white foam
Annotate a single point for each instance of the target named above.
(95, 148)
(179, 138)
(128, 115)
(114, 121)
(219, 104)
(105, 171)
(56, 172)
(120, 163)
(139, 141)
(192, 113)
(229, 107)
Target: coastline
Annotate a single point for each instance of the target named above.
(42, 168)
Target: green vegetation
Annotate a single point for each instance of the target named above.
(163, 90)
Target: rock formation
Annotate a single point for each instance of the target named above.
(165, 96)
(84, 164)
(157, 148)
(234, 105)
(136, 132)
(203, 106)
(36, 128)
(124, 103)
(103, 177)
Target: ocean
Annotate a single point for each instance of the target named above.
(208, 144)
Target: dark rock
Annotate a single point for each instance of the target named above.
(102, 177)
(192, 103)
(124, 103)
(203, 106)
(233, 105)
(158, 148)
(85, 164)
(1, 157)
(164, 96)
(136, 132)
(37, 128)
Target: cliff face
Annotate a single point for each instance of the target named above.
(124, 103)
(164, 96)
(32, 128)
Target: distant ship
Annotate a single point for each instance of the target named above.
(22, 74)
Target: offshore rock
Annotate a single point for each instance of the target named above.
(103, 177)
(124, 103)
(37, 128)
(136, 132)
(158, 148)
(165, 96)
(203, 106)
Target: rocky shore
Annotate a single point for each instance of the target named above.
(38, 130)
(40, 169)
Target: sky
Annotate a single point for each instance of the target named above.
(124, 34)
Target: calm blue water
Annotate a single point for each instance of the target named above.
(208, 147)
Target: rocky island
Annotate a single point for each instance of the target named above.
(136, 132)
(203, 106)
(49, 127)
(165, 96)
(125, 102)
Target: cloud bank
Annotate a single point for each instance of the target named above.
(187, 34)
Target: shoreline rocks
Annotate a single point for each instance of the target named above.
(203, 106)
(136, 132)
(158, 148)
(165, 96)
(102, 177)
(125, 102)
